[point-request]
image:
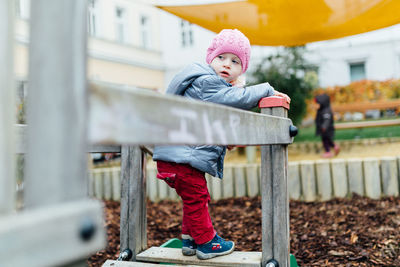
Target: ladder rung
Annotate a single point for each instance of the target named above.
(114, 263)
(174, 255)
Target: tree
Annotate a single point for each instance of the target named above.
(288, 72)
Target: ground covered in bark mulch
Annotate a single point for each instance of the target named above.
(341, 232)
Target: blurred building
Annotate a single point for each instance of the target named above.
(124, 45)
(133, 43)
(374, 56)
(129, 42)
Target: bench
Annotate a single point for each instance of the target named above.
(365, 124)
(364, 106)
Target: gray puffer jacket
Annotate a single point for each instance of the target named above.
(199, 81)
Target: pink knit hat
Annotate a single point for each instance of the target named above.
(230, 41)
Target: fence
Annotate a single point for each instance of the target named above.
(308, 180)
(345, 145)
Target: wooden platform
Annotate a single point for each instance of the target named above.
(114, 263)
(174, 255)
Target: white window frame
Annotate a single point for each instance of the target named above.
(354, 63)
(93, 17)
(22, 8)
(121, 24)
(145, 31)
(187, 39)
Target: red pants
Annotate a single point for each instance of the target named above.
(191, 185)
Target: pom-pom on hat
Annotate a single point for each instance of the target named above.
(230, 41)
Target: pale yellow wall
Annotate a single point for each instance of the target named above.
(125, 74)
(102, 70)
(101, 47)
(21, 28)
(21, 61)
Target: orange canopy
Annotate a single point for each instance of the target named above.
(291, 22)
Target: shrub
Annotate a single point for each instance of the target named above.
(287, 72)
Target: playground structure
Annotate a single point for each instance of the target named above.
(59, 225)
(181, 126)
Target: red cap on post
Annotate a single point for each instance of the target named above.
(273, 101)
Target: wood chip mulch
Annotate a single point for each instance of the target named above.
(341, 232)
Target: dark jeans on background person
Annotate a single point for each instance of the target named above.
(327, 143)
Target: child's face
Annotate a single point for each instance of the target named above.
(228, 66)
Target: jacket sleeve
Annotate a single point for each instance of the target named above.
(213, 89)
(326, 120)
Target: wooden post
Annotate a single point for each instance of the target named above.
(133, 234)
(372, 178)
(323, 178)
(339, 177)
(356, 178)
(389, 174)
(7, 179)
(294, 183)
(308, 181)
(57, 103)
(57, 213)
(274, 192)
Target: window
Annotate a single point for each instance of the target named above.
(92, 17)
(186, 33)
(120, 24)
(357, 71)
(22, 8)
(145, 31)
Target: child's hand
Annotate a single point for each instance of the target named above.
(285, 96)
(239, 82)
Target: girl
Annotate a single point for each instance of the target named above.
(184, 167)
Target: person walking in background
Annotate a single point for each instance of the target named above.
(183, 167)
(324, 125)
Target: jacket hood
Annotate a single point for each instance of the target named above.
(323, 100)
(185, 78)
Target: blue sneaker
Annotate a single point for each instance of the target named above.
(216, 247)
(188, 245)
